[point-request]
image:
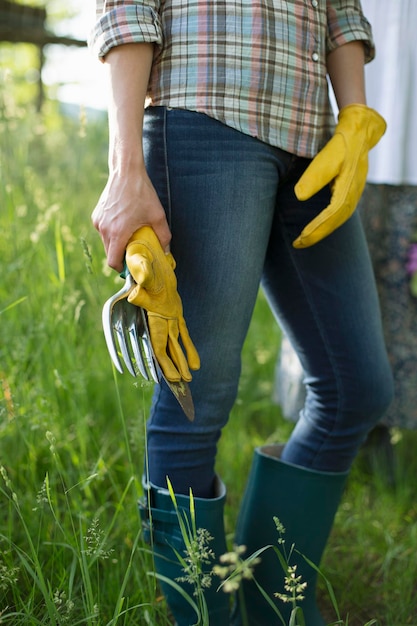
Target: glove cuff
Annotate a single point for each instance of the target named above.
(362, 116)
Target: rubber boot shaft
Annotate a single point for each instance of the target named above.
(162, 530)
(305, 502)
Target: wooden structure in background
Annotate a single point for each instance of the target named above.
(20, 23)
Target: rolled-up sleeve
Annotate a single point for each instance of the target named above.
(120, 22)
(345, 23)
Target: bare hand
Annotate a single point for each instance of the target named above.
(128, 202)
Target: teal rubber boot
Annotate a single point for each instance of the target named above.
(162, 530)
(305, 502)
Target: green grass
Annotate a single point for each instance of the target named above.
(72, 431)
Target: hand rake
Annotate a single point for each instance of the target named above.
(128, 340)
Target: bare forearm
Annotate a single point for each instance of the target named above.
(129, 200)
(129, 68)
(345, 66)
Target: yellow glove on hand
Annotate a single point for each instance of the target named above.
(343, 160)
(156, 292)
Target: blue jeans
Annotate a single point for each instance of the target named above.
(233, 214)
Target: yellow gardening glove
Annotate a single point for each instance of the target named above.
(156, 292)
(343, 162)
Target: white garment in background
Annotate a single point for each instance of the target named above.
(391, 87)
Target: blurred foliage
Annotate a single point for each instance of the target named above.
(72, 431)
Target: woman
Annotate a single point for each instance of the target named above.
(238, 111)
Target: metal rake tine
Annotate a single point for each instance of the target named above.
(148, 350)
(139, 342)
(126, 333)
(120, 330)
(114, 327)
(122, 324)
(152, 367)
(128, 328)
(134, 330)
(137, 328)
(108, 329)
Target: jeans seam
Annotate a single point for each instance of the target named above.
(168, 208)
(322, 334)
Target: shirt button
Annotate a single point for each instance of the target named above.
(314, 3)
(315, 56)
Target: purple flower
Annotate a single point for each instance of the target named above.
(411, 264)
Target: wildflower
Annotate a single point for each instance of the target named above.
(43, 222)
(52, 440)
(8, 576)
(42, 495)
(411, 267)
(94, 541)
(64, 606)
(198, 554)
(9, 485)
(294, 586)
(87, 254)
(8, 397)
(234, 569)
(280, 530)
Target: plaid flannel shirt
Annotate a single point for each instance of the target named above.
(258, 66)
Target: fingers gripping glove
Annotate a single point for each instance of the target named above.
(344, 160)
(156, 292)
